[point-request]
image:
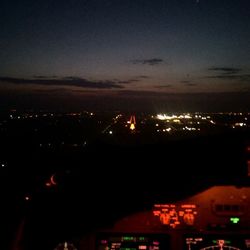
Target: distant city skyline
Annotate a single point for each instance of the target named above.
(180, 55)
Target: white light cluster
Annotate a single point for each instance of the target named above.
(168, 117)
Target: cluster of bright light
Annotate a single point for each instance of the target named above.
(176, 121)
(118, 116)
(190, 128)
(240, 124)
(202, 117)
(172, 117)
(235, 113)
(164, 130)
(26, 116)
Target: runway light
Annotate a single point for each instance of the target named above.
(27, 198)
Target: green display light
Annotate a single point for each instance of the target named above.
(235, 220)
(127, 238)
(226, 241)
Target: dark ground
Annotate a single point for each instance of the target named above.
(102, 182)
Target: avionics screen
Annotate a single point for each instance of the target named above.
(217, 241)
(132, 242)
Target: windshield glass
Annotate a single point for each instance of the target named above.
(109, 107)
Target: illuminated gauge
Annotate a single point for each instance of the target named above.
(65, 246)
(165, 218)
(189, 219)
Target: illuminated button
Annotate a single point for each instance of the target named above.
(235, 220)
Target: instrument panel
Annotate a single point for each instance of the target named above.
(174, 215)
(132, 242)
(217, 241)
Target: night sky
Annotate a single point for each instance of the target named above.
(133, 54)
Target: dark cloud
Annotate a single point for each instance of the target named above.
(44, 77)
(225, 70)
(243, 97)
(132, 80)
(137, 93)
(185, 81)
(65, 81)
(246, 89)
(242, 77)
(51, 91)
(143, 77)
(151, 62)
(128, 81)
(191, 84)
(127, 100)
(135, 79)
(164, 86)
(188, 83)
(228, 73)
